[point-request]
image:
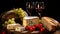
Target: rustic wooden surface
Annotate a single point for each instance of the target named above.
(46, 32)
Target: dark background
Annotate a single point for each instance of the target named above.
(51, 9)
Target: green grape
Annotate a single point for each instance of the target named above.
(9, 20)
(2, 24)
(6, 22)
(16, 11)
(13, 22)
(23, 15)
(20, 8)
(13, 19)
(19, 13)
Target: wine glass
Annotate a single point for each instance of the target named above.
(39, 7)
(30, 8)
(34, 7)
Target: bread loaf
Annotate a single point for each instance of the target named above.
(49, 23)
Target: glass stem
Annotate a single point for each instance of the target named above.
(29, 13)
(39, 15)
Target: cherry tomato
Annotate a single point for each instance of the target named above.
(40, 26)
(27, 27)
(42, 29)
(34, 27)
(3, 32)
(31, 29)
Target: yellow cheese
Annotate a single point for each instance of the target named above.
(30, 20)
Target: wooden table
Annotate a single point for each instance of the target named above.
(28, 32)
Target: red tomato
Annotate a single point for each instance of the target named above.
(3, 32)
(40, 26)
(31, 29)
(27, 27)
(34, 27)
(42, 29)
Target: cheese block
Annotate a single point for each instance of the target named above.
(19, 29)
(49, 23)
(30, 20)
(12, 26)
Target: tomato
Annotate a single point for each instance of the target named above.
(27, 27)
(34, 27)
(3, 32)
(31, 29)
(42, 29)
(39, 26)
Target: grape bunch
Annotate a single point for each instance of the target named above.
(10, 21)
(20, 12)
